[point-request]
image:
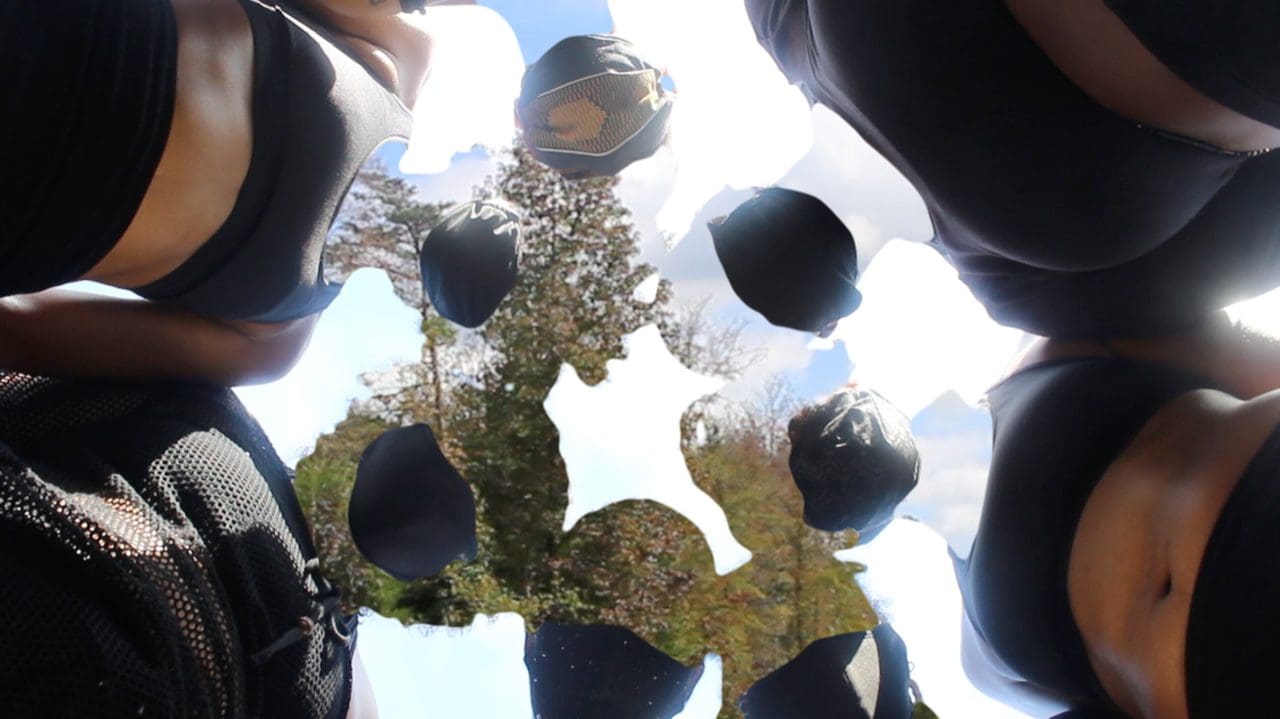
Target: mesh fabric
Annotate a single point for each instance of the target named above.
(155, 560)
(595, 115)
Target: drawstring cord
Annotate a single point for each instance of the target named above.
(325, 614)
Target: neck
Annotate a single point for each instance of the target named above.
(396, 51)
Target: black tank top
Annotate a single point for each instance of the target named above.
(317, 116)
(1064, 218)
(1057, 427)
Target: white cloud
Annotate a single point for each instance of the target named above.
(783, 352)
(646, 293)
(367, 328)
(860, 186)
(736, 121)
(469, 97)
(458, 183)
(920, 332)
(708, 693)
(954, 439)
(475, 672)
(621, 440)
(911, 582)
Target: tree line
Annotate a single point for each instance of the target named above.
(636, 564)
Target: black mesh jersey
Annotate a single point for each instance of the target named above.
(155, 560)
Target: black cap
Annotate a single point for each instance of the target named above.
(411, 513)
(603, 671)
(788, 257)
(854, 459)
(850, 676)
(591, 105)
(470, 261)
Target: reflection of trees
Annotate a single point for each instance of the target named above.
(637, 564)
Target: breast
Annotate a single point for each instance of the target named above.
(1094, 47)
(318, 115)
(207, 154)
(1142, 534)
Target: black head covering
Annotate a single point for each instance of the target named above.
(1234, 628)
(411, 513)
(470, 261)
(788, 257)
(854, 459)
(850, 676)
(603, 671)
(591, 105)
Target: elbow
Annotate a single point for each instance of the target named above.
(270, 351)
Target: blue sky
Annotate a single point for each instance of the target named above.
(539, 25)
(934, 364)
(879, 206)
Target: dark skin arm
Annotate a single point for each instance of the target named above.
(66, 333)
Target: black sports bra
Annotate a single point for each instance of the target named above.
(1064, 218)
(1057, 427)
(317, 116)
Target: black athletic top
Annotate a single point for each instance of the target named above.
(1226, 49)
(84, 117)
(317, 116)
(1064, 218)
(1057, 427)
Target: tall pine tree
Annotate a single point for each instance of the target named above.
(573, 304)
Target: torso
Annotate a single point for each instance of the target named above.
(207, 153)
(1090, 45)
(206, 158)
(1142, 533)
(1069, 208)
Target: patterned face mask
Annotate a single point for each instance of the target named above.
(596, 115)
(591, 106)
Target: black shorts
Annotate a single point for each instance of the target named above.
(89, 89)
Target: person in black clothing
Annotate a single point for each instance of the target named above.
(1125, 558)
(156, 562)
(1092, 170)
(1099, 173)
(196, 152)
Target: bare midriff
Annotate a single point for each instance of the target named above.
(1142, 535)
(206, 156)
(1097, 52)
